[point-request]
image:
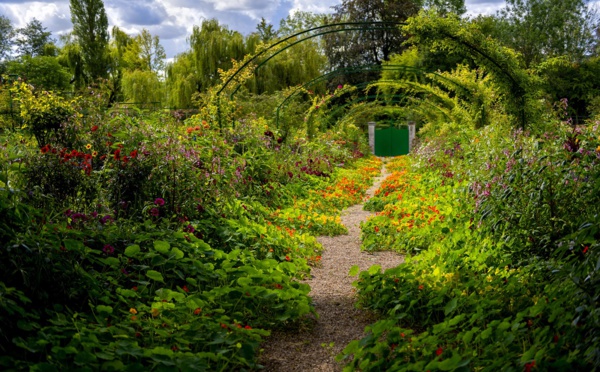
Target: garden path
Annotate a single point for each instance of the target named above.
(314, 345)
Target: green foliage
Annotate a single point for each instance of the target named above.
(458, 37)
(43, 72)
(502, 230)
(142, 87)
(32, 39)
(90, 28)
(368, 46)
(45, 115)
(541, 29)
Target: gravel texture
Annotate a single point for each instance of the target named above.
(313, 346)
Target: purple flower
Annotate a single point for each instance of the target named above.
(189, 229)
(106, 219)
(159, 201)
(154, 212)
(108, 249)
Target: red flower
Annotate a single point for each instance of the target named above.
(197, 311)
(224, 326)
(376, 229)
(133, 154)
(135, 288)
(185, 289)
(421, 286)
(45, 149)
(248, 327)
(529, 366)
(287, 258)
(117, 154)
(94, 128)
(586, 249)
(439, 351)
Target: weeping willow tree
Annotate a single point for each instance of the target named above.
(142, 86)
(181, 81)
(213, 46)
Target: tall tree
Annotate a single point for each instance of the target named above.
(151, 52)
(443, 7)
(300, 21)
(32, 39)
(90, 27)
(367, 47)
(266, 31)
(213, 48)
(6, 37)
(540, 29)
(43, 72)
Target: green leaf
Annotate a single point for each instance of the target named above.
(132, 250)
(155, 275)
(112, 261)
(450, 306)
(103, 309)
(84, 358)
(354, 270)
(162, 246)
(178, 253)
(375, 269)
(452, 363)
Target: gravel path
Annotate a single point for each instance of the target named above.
(314, 346)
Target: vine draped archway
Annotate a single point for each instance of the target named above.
(427, 33)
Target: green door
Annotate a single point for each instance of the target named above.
(391, 142)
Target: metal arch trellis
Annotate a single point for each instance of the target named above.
(353, 26)
(373, 97)
(390, 67)
(395, 99)
(338, 72)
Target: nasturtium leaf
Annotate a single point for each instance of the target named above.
(178, 253)
(84, 358)
(451, 363)
(162, 246)
(450, 306)
(155, 275)
(104, 309)
(132, 250)
(354, 270)
(112, 261)
(375, 269)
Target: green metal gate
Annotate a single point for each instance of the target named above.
(391, 141)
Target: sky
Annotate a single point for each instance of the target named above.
(173, 20)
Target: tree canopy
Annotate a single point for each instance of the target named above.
(90, 28)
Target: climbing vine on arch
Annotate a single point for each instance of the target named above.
(456, 36)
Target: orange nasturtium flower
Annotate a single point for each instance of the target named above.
(133, 311)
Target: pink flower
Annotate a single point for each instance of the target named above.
(108, 249)
(154, 212)
(159, 201)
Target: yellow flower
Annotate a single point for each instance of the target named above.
(598, 149)
(133, 311)
(155, 312)
(88, 146)
(94, 154)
